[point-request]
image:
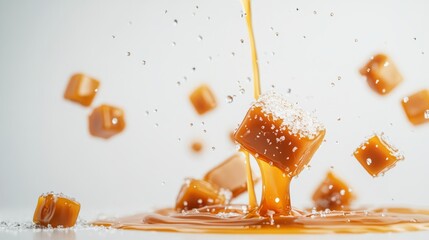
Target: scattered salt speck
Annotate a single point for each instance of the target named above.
(342, 192)
(156, 125)
(114, 121)
(191, 124)
(332, 14)
(314, 12)
(242, 40)
(178, 83)
(356, 40)
(339, 119)
(332, 84)
(144, 62)
(128, 54)
(427, 114)
(175, 21)
(242, 90)
(173, 44)
(200, 37)
(339, 78)
(277, 200)
(294, 149)
(113, 36)
(229, 99)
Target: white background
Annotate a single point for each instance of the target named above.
(45, 144)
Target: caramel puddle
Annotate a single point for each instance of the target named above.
(235, 219)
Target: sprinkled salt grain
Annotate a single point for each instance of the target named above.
(427, 114)
(295, 119)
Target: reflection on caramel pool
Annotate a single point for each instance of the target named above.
(234, 219)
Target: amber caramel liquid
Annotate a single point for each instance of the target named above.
(254, 219)
(236, 219)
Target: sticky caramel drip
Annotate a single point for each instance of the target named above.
(250, 187)
(256, 81)
(275, 191)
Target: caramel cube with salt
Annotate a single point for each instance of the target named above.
(377, 156)
(198, 193)
(280, 133)
(56, 210)
(416, 107)
(333, 194)
(230, 174)
(106, 121)
(381, 74)
(81, 89)
(203, 99)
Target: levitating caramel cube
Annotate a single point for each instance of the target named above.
(81, 89)
(416, 107)
(56, 210)
(333, 194)
(203, 99)
(280, 133)
(376, 155)
(230, 175)
(196, 194)
(106, 121)
(197, 146)
(381, 74)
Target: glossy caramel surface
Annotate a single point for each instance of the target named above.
(203, 99)
(416, 107)
(265, 138)
(230, 175)
(106, 121)
(333, 194)
(377, 156)
(382, 74)
(235, 219)
(56, 210)
(81, 89)
(196, 194)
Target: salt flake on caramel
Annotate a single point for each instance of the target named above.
(381, 74)
(376, 155)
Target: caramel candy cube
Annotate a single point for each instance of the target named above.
(203, 99)
(56, 210)
(230, 175)
(381, 74)
(416, 107)
(196, 194)
(106, 121)
(333, 194)
(280, 133)
(81, 89)
(376, 155)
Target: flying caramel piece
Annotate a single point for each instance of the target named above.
(230, 175)
(416, 107)
(203, 99)
(106, 121)
(377, 156)
(333, 194)
(81, 89)
(381, 74)
(283, 138)
(280, 133)
(56, 210)
(197, 146)
(198, 193)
